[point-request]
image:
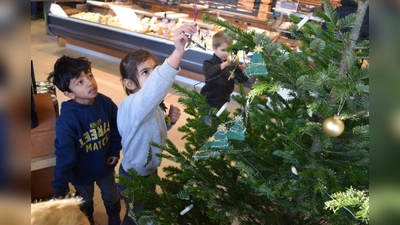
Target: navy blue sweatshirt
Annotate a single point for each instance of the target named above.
(218, 88)
(86, 135)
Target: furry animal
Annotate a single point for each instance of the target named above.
(58, 212)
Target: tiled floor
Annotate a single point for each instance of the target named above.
(44, 52)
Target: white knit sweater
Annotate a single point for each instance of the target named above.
(141, 121)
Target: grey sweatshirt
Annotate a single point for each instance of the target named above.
(141, 121)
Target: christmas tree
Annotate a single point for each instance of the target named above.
(275, 160)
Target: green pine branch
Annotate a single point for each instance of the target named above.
(351, 198)
(252, 182)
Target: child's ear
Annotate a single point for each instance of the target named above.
(128, 83)
(69, 94)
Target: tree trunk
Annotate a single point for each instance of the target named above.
(361, 10)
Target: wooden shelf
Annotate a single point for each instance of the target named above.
(311, 2)
(43, 136)
(42, 153)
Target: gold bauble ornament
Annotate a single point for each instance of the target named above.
(333, 126)
(232, 59)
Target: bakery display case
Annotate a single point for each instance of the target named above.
(121, 26)
(125, 27)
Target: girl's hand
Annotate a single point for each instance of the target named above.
(180, 39)
(180, 36)
(174, 113)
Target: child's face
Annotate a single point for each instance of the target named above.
(220, 51)
(83, 88)
(144, 70)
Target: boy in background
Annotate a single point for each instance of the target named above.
(87, 141)
(217, 70)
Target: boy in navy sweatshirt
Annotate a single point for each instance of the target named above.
(87, 141)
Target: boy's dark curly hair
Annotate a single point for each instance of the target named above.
(67, 68)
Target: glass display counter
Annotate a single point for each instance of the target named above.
(125, 27)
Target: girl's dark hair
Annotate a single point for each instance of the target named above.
(67, 68)
(128, 66)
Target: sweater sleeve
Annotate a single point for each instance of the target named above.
(65, 157)
(211, 70)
